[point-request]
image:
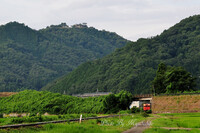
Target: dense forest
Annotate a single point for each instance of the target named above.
(31, 58)
(134, 66)
(32, 101)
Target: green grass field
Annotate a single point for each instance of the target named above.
(190, 121)
(176, 120)
(41, 118)
(106, 125)
(160, 130)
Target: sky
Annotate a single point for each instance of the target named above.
(131, 19)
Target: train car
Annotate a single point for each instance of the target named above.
(146, 106)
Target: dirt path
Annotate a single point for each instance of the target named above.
(141, 126)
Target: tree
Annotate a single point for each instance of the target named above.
(125, 99)
(110, 104)
(179, 80)
(114, 103)
(172, 80)
(158, 82)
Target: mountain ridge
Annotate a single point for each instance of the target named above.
(29, 58)
(133, 67)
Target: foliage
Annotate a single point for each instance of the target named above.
(198, 91)
(145, 114)
(33, 102)
(125, 99)
(30, 101)
(111, 103)
(114, 103)
(158, 82)
(134, 66)
(30, 58)
(149, 111)
(135, 110)
(124, 112)
(172, 80)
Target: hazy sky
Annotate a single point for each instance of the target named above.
(131, 19)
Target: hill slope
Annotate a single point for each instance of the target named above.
(31, 58)
(133, 67)
(32, 101)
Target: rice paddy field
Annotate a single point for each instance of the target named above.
(176, 123)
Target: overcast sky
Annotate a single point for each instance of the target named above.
(131, 19)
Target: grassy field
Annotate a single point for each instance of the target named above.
(161, 123)
(160, 130)
(106, 125)
(41, 118)
(189, 121)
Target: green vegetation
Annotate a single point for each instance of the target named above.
(30, 59)
(134, 66)
(172, 80)
(198, 91)
(179, 120)
(114, 103)
(160, 130)
(31, 101)
(186, 120)
(40, 118)
(108, 125)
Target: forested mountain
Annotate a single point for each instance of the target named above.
(134, 66)
(31, 58)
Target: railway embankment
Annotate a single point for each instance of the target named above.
(176, 104)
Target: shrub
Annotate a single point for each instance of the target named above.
(149, 111)
(17, 120)
(144, 114)
(124, 112)
(60, 116)
(98, 121)
(1, 115)
(135, 110)
(32, 114)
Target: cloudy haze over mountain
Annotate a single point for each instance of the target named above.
(131, 19)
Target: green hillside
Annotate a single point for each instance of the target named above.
(134, 66)
(32, 101)
(31, 58)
